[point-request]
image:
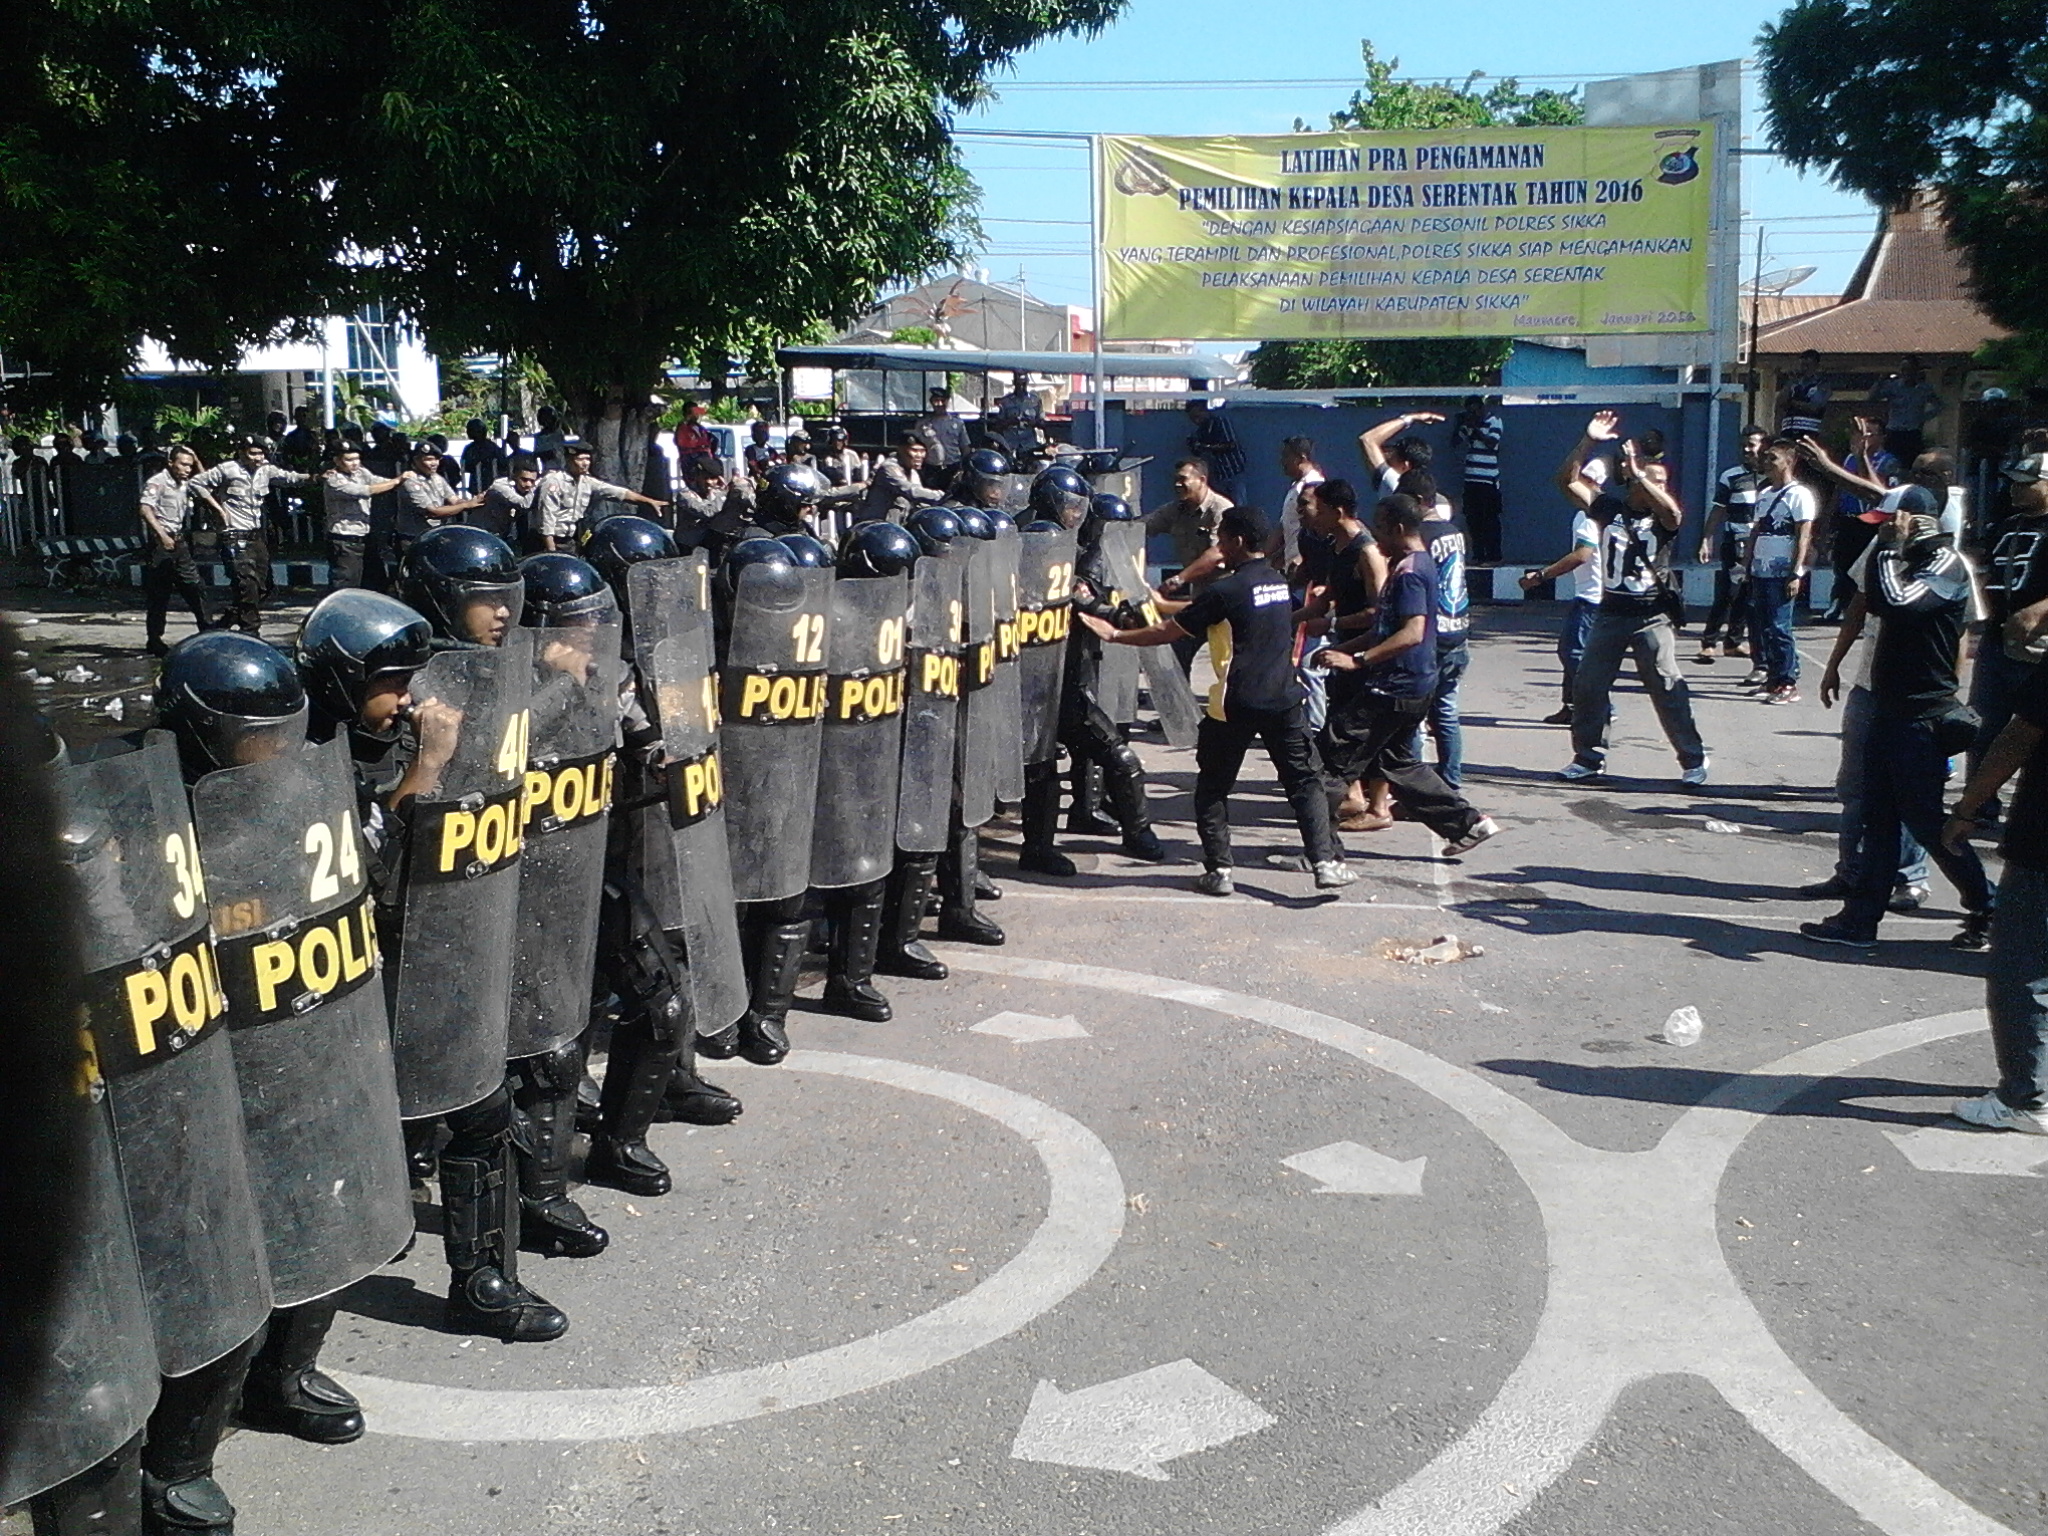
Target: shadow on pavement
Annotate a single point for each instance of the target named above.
(1825, 1099)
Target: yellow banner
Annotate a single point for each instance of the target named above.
(1468, 232)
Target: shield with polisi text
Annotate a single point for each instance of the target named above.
(570, 771)
(1180, 714)
(860, 758)
(156, 1015)
(772, 717)
(1008, 687)
(675, 844)
(931, 697)
(975, 744)
(295, 932)
(1045, 580)
(449, 967)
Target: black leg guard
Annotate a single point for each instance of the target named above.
(959, 872)
(1084, 811)
(903, 908)
(856, 939)
(1042, 822)
(694, 1101)
(286, 1390)
(103, 1500)
(636, 1079)
(780, 934)
(1124, 778)
(544, 1134)
(191, 1413)
(480, 1210)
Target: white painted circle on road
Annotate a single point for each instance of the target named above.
(1084, 1222)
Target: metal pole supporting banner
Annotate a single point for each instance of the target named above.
(1095, 273)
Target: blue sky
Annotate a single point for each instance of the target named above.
(1035, 195)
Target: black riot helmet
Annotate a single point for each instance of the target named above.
(772, 553)
(1104, 507)
(878, 549)
(619, 542)
(354, 637)
(976, 523)
(563, 592)
(789, 491)
(230, 699)
(934, 527)
(1043, 525)
(986, 461)
(810, 553)
(452, 572)
(980, 480)
(1059, 495)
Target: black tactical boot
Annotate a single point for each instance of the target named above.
(286, 1390)
(695, 1102)
(1042, 824)
(544, 1134)
(1084, 812)
(911, 884)
(635, 1081)
(103, 1500)
(1126, 786)
(481, 1221)
(856, 937)
(959, 870)
(191, 1413)
(764, 1033)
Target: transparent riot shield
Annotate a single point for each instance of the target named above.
(860, 758)
(155, 1011)
(677, 845)
(1008, 718)
(570, 769)
(1180, 716)
(1015, 493)
(772, 713)
(931, 698)
(1116, 688)
(450, 983)
(296, 935)
(975, 747)
(1045, 580)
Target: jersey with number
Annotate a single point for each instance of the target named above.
(1630, 542)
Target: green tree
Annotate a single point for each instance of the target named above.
(1890, 96)
(1386, 102)
(602, 186)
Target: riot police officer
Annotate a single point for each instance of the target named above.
(370, 668)
(853, 842)
(979, 482)
(644, 954)
(1085, 729)
(961, 886)
(280, 853)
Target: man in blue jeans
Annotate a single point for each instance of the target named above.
(1781, 538)
(2016, 988)
(1921, 590)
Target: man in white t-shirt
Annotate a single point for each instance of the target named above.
(1582, 568)
(1780, 541)
(1298, 464)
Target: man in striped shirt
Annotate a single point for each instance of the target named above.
(1478, 434)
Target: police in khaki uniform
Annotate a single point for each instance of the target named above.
(166, 510)
(240, 486)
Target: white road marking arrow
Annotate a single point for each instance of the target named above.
(1941, 1149)
(1346, 1168)
(1027, 1028)
(1134, 1424)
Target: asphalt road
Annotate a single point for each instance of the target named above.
(1261, 1228)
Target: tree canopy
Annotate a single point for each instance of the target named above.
(1385, 102)
(1888, 96)
(604, 186)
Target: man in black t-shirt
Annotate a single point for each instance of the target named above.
(1248, 616)
(2016, 982)
(1633, 528)
(1387, 680)
(1919, 588)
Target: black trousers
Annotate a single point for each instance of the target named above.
(344, 561)
(1220, 747)
(1730, 610)
(171, 570)
(248, 556)
(1090, 737)
(1482, 517)
(1368, 737)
